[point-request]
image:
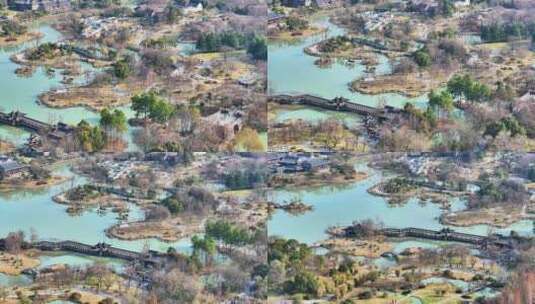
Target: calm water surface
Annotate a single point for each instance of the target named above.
(20, 280)
(27, 210)
(20, 93)
(315, 115)
(291, 71)
(341, 205)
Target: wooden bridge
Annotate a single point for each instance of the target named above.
(20, 120)
(151, 258)
(445, 234)
(338, 104)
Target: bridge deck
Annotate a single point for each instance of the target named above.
(444, 235)
(101, 249)
(336, 104)
(19, 119)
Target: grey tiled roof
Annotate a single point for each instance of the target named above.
(10, 166)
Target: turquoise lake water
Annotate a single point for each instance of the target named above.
(20, 93)
(291, 71)
(24, 210)
(342, 205)
(34, 209)
(21, 280)
(315, 115)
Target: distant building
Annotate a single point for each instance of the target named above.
(314, 164)
(166, 158)
(461, 3)
(247, 80)
(10, 168)
(95, 27)
(317, 3)
(193, 9)
(40, 5)
(428, 7)
(291, 163)
(296, 3)
(529, 96)
(275, 17)
(154, 10)
(60, 132)
(325, 3)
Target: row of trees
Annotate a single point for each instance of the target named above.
(335, 43)
(507, 124)
(466, 134)
(47, 50)
(443, 52)
(501, 32)
(255, 45)
(257, 48)
(288, 251)
(113, 120)
(296, 24)
(464, 86)
(398, 185)
(441, 102)
(289, 271)
(213, 42)
(422, 57)
(331, 133)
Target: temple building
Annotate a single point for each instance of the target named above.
(40, 5)
(10, 168)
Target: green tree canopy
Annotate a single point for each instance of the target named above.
(115, 120)
(258, 48)
(442, 101)
(153, 106)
